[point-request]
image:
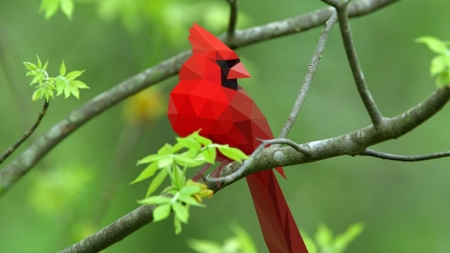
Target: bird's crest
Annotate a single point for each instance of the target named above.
(206, 44)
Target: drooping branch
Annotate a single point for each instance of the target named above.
(23, 163)
(233, 18)
(403, 158)
(308, 77)
(363, 89)
(27, 134)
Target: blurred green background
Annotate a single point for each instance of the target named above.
(83, 184)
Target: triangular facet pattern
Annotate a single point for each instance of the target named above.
(227, 115)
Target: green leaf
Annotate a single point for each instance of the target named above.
(155, 200)
(161, 212)
(37, 94)
(177, 147)
(146, 173)
(38, 77)
(189, 200)
(62, 69)
(61, 84)
(202, 246)
(50, 7)
(439, 64)
(39, 63)
(209, 154)
(434, 44)
(443, 79)
(74, 74)
(189, 190)
(151, 158)
(189, 142)
(343, 240)
(202, 140)
(67, 7)
(181, 212)
(324, 236)
(157, 181)
(177, 178)
(232, 153)
(75, 92)
(166, 149)
(165, 162)
(30, 66)
(183, 159)
(177, 224)
(78, 84)
(45, 65)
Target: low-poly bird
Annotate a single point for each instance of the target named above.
(208, 97)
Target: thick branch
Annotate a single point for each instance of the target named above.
(353, 143)
(23, 163)
(403, 158)
(308, 77)
(115, 231)
(27, 134)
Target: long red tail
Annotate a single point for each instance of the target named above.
(277, 224)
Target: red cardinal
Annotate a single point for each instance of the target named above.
(209, 98)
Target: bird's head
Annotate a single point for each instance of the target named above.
(212, 60)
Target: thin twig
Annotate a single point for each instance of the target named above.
(28, 158)
(309, 75)
(233, 18)
(27, 134)
(404, 158)
(236, 174)
(363, 89)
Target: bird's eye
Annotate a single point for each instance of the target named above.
(227, 63)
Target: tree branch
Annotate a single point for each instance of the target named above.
(233, 19)
(402, 158)
(115, 231)
(309, 75)
(23, 163)
(363, 89)
(353, 143)
(27, 134)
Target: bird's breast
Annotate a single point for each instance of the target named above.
(226, 116)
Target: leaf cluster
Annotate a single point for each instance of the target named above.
(46, 86)
(440, 65)
(173, 161)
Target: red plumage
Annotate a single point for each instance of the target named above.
(209, 98)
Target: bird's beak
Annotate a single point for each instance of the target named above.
(238, 71)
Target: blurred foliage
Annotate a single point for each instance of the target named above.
(147, 106)
(240, 243)
(403, 205)
(182, 193)
(440, 65)
(50, 7)
(53, 192)
(325, 243)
